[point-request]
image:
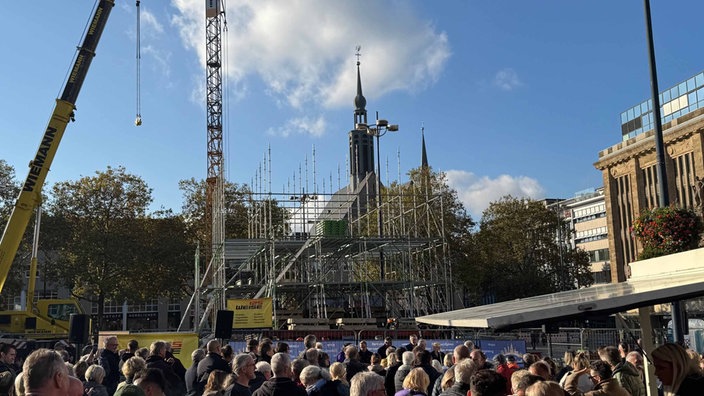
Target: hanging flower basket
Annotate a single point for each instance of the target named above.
(666, 230)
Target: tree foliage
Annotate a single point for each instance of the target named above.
(9, 189)
(111, 249)
(519, 251)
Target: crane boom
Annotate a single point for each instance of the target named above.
(30, 194)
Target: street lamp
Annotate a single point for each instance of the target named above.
(304, 199)
(378, 130)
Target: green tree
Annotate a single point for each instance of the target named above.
(9, 189)
(519, 251)
(111, 249)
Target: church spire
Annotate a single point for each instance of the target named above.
(360, 102)
(424, 154)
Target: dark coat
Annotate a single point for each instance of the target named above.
(193, 387)
(212, 361)
(354, 367)
(110, 362)
(280, 386)
(692, 386)
(458, 389)
(258, 380)
(389, 384)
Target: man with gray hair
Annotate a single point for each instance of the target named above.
(464, 371)
(45, 374)
(109, 360)
(281, 383)
(243, 368)
(192, 384)
(367, 383)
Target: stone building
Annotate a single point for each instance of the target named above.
(629, 168)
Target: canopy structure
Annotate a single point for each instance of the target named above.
(661, 280)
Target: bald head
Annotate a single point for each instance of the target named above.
(75, 387)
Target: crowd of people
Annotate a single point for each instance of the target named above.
(266, 368)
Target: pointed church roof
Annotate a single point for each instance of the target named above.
(360, 102)
(424, 154)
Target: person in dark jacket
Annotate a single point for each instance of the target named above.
(109, 360)
(352, 362)
(8, 370)
(157, 359)
(625, 373)
(673, 367)
(388, 342)
(389, 383)
(193, 387)
(423, 360)
(281, 383)
(212, 361)
(464, 371)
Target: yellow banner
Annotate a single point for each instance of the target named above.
(251, 313)
(182, 344)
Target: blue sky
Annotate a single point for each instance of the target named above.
(516, 97)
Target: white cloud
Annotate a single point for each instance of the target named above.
(476, 192)
(303, 50)
(300, 126)
(507, 79)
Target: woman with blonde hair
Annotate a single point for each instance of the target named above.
(415, 383)
(338, 374)
(94, 381)
(579, 364)
(674, 368)
(545, 388)
(130, 368)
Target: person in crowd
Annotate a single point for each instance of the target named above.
(438, 367)
(193, 387)
(516, 378)
(18, 390)
(552, 365)
(79, 369)
(422, 345)
(157, 359)
(130, 368)
(365, 355)
(464, 370)
(75, 387)
(212, 361)
(8, 371)
(281, 383)
(525, 381)
(143, 352)
(312, 356)
(253, 348)
(407, 360)
(318, 382)
(623, 350)
(636, 359)
(388, 342)
(309, 341)
(625, 373)
(266, 351)
(352, 363)
(503, 369)
(446, 381)
(323, 359)
(416, 382)
(460, 353)
(151, 381)
(132, 347)
(480, 359)
(262, 373)
(437, 353)
(488, 383)
(674, 369)
(375, 365)
(512, 363)
(128, 390)
(541, 369)
(45, 374)
(227, 354)
(446, 362)
(243, 372)
(341, 355)
(338, 375)
(109, 360)
(367, 384)
(601, 376)
(580, 363)
(545, 388)
(296, 367)
(94, 381)
(215, 386)
(422, 361)
(528, 359)
(389, 378)
(412, 342)
(281, 347)
(567, 360)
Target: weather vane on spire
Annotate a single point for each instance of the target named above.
(358, 54)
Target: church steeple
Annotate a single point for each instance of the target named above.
(360, 102)
(361, 143)
(424, 154)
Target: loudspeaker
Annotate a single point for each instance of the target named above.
(79, 328)
(223, 324)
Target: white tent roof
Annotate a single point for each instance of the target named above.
(651, 286)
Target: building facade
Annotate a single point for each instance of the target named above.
(629, 168)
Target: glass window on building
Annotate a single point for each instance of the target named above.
(699, 79)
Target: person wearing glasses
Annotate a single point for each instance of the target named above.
(109, 360)
(601, 376)
(243, 368)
